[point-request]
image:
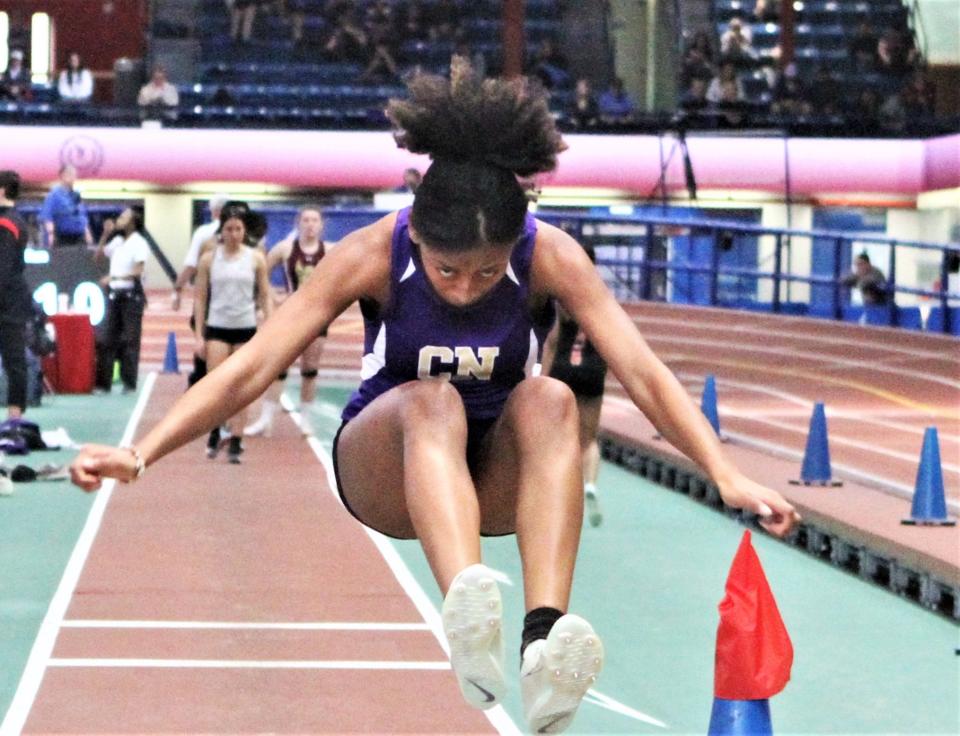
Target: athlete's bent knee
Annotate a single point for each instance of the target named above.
(433, 402)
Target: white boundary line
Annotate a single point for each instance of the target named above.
(498, 717)
(248, 664)
(39, 657)
(241, 625)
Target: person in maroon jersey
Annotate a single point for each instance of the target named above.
(299, 255)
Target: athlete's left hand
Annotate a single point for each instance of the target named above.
(776, 514)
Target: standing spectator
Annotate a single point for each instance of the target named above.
(736, 43)
(869, 280)
(15, 82)
(615, 104)
(158, 92)
(584, 111)
(75, 83)
(348, 41)
(119, 332)
(15, 300)
(64, 215)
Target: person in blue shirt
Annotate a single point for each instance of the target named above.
(615, 104)
(64, 215)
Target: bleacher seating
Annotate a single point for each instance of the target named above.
(256, 75)
(823, 31)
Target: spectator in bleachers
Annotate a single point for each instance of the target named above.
(790, 94)
(381, 31)
(158, 93)
(242, 15)
(918, 96)
(869, 279)
(549, 65)
(694, 97)
(347, 41)
(75, 83)
(736, 43)
(63, 214)
(895, 51)
(413, 23)
(443, 21)
(766, 11)
(726, 77)
(824, 93)
(863, 47)
(584, 111)
(15, 81)
(730, 104)
(697, 60)
(615, 105)
(866, 112)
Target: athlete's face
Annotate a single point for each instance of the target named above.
(464, 278)
(233, 231)
(310, 224)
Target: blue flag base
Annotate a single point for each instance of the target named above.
(740, 718)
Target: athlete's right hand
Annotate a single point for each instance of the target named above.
(96, 462)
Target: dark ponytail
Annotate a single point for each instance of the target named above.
(481, 134)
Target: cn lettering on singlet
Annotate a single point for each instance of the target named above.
(467, 363)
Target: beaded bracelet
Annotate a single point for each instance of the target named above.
(140, 466)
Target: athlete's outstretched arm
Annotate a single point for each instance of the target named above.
(562, 268)
(359, 267)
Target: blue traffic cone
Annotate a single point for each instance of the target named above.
(816, 458)
(929, 505)
(740, 718)
(708, 402)
(170, 362)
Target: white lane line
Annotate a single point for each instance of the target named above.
(254, 664)
(605, 701)
(765, 334)
(247, 626)
(696, 381)
(832, 363)
(498, 717)
(39, 657)
(836, 440)
(840, 469)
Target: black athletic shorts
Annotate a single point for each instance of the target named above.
(476, 432)
(229, 335)
(586, 379)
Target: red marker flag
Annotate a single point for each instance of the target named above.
(754, 653)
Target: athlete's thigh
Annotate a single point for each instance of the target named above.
(530, 408)
(217, 352)
(370, 466)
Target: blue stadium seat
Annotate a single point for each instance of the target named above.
(909, 318)
(935, 320)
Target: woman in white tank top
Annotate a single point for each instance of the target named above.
(231, 285)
